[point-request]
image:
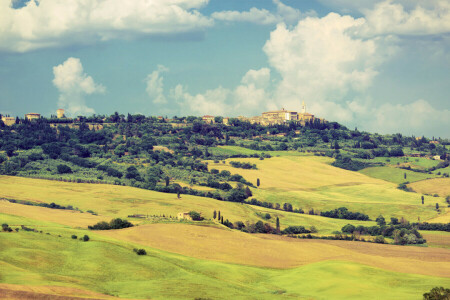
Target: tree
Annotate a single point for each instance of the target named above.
(394, 221)
(218, 218)
(133, 173)
(437, 293)
(63, 169)
(423, 199)
(214, 215)
(404, 175)
(258, 182)
(167, 180)
(74, 236)
(437, 206)
(195, 216)
(380, 220)
(221, 219)
(248, 192)
(278, 225)
(85, 238)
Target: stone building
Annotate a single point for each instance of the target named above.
(184, 215)
(8, 121)
(208, 119)
(60, 113)
(32, 116)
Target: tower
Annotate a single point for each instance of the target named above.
(60, 113)
(303, 107)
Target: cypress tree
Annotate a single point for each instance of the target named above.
(278, 225)
(218, 215)
(257, 182)
(423, 199)
(214, 215)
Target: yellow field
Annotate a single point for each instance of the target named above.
(282, 252)
(440, 186)
(16, 291)
(310, 182)
(120, 201)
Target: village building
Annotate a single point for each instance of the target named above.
(208, 119)
(60, 113)
(282, 116)
(32, 116)
(8, 121)
(184, 215)
(437, 157)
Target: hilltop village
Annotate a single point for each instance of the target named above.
(269, 118)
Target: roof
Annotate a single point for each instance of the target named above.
(207, 116)
(33, 114)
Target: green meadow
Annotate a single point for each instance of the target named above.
(109, 266)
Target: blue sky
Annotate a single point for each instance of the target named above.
(381, 66)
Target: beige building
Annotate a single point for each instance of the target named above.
(226, 121)
(60, 113)
(184, 215)
(208, 119)
(282, 116)
(8, 121)
(32, 116)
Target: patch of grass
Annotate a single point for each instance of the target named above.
(395, 175)
(110, 266)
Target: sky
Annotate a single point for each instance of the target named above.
(380, 66)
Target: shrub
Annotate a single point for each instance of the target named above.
(85, 238)
(379, 239)
(113, 224)
(74, 236)
(63, 169)
(140, 251)
(195, 216)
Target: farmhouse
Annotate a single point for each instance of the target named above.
(32, 116)
(208, 119)
(8, 121)
(60, 113)
(184, 215)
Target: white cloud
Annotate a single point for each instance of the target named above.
(321, 62)
(248, 97)
(254, 15)
(418, 117)
(52, 23)
(73, 84)
(392, 18)
(284, 13)
(155, 85)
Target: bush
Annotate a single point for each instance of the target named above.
(113, 224)
(63, 169)
(140, 251)
(295, 230)
(379, 239)
(85, 238)
(74, 236)
(195, 216)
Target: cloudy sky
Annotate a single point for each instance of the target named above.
(381, 66)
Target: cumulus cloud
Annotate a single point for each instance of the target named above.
(321, 62)
(392, 18)
(283, 13)
(52, 23)
(73, 84)
(155, 85)
(249, 96)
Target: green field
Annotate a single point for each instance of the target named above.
(395, 175)
(109, 266)
(414, 162)
(236, 150)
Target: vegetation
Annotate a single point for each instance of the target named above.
(113, 224)
(344, 213)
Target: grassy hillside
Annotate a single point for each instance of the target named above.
(108, 265)
(236, 150)
(440, 186)
(395, 175)
(110, 201)
(310, 182)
